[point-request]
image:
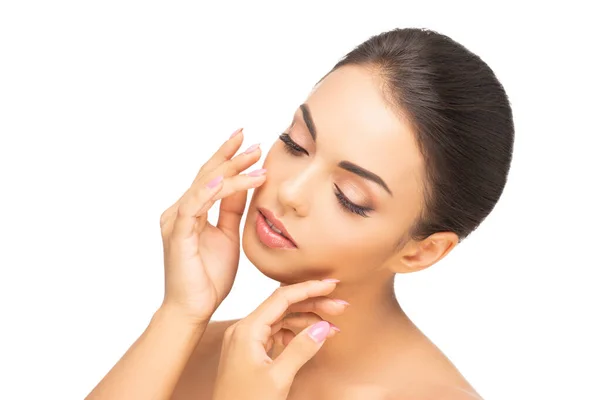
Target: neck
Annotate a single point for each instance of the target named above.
(373, 318)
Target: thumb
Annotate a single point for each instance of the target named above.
(230, 213)
(301, 349)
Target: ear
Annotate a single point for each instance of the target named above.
(418, 255)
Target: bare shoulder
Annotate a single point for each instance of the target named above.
(197, 379)
(422, 391)
(445, 382)
(428, 375)
(433, 390)
(448, 392)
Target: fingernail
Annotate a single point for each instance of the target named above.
(252, 148)
(331, 280)
(213, 183)
(342, 302)
(235, 133)
(335, 328)
(258, 172)
(318, 332)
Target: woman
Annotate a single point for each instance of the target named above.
(397, 154)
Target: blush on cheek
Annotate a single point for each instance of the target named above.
(359, 248)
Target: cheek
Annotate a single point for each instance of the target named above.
(279, 165)
(277, 155)
(276, 172)
(346, 242)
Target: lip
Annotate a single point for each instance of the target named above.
(277, 223)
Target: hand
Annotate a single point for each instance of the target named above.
(200, 259)
(246, 371)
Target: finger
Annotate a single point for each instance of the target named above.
(238, 183)
(312, 306)
(229, 168)
(238, 164)
(233, 203)
(280, 339)
(320, 305)
(224, 153)
(301, 349)
(230, 214)
(284, 336)
(295, 322)
(166, 215)
(192, 212)
(222, 163)
(193, 208)
(274, 307)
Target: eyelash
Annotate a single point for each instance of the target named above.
(292, 148)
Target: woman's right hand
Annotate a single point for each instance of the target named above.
(200, 259)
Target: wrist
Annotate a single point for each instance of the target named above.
(176, 315)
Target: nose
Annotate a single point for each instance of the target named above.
(294, 192)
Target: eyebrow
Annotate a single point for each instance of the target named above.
(347, 165)
(310, 124)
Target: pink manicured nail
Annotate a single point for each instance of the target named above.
(252, 148)
(213, 183)
(331, 280)
(342, 302)
(335, 328)
(235, 133)
(318, 332)
(258, 172)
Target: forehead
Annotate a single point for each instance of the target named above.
(354, 122)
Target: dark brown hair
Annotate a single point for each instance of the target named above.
(461, 117)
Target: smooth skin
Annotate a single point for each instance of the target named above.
(200, 265)
(379, 353)
(246, 371)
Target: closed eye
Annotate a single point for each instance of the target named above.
(290, 146)
(295, 150)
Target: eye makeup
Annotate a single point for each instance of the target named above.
(296, 150)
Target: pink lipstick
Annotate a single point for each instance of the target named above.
(272, 232)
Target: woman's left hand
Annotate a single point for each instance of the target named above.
(246, 371)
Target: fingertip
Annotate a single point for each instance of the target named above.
(319, 331)
(214, 182)
(258, 181)
(258, 173)
(236, 132)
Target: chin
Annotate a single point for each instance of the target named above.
(279, 265)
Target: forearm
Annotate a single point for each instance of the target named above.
(151, 367)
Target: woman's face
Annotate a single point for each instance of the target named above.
(354, 134)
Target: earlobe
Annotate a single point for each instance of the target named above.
(418, 255)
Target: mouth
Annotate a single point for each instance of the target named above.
(271, 231)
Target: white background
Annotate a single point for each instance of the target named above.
(107, 110)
